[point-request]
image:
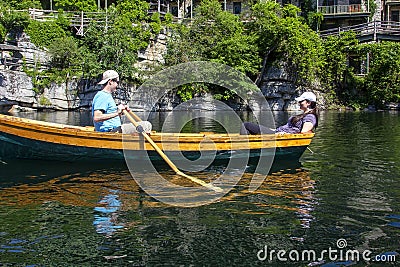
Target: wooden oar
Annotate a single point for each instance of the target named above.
(136, 117)
(130, 116)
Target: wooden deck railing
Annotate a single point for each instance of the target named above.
(373, 30)
(342, 9)
(79, 20)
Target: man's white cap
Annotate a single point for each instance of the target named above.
(310, 96)
(109, 75)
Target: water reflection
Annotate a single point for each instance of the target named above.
(106, 218)
(112, 195)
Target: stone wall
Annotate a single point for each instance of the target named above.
(15, 89)
(278, 87)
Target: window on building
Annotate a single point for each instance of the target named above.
(328, 3)
(394, 15)
(174, 11)
(237, 7)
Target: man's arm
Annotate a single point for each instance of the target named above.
(99, 115)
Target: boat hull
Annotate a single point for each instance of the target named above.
(17, 147)
(29, 139)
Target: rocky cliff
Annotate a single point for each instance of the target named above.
(16, 87)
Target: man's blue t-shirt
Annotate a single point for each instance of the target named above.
(104, 101)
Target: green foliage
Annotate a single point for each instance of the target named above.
(12, 21)
(208, 9)
(282, 36)
(222, 39)
(215, 36)
(24, 4)
(335, 54)
(37, 82)
(63, 21)
(315, 19)
(155, 23)
(372, 8)
(3, 32)
(383, 79)
(168, 19)
(290, 11)
(302, 48)
(266, 26)
(117, 46)
(76, 5)
(354, 96)
(43, 101)
(380, 84)
(43, 79)
(65, 53)
(43, 34)
(188, 91)
(135, 10)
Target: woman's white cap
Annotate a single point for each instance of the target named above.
(109, 75)
(310, 96)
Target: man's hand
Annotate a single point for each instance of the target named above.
(121, 108)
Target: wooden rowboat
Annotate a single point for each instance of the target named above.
(31, 139)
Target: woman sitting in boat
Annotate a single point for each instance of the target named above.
(303, 123)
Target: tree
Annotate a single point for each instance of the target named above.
(76, 5)
(11, 21)
(214, 35)
(65, 53)
(282, 36)
(383, 79)
(22, 4)
(336, 51)
(43, 33)
(116, 46)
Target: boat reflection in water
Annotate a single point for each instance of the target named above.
(101, 212)
(111, 191)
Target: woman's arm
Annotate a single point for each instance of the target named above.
(307, 127)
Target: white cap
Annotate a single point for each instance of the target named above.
(109, 75)
(310, 96)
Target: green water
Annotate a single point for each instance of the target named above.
(72, 214)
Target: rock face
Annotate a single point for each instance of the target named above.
(16, 88)
(155, 51)
(279, 88)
